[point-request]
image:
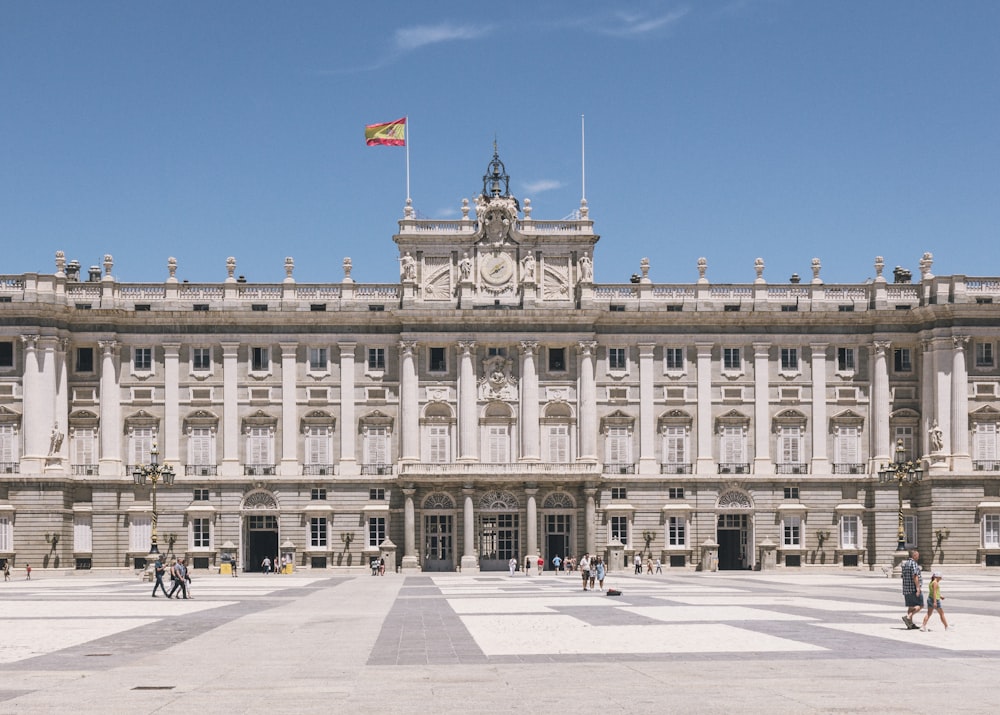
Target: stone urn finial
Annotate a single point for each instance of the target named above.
(289, 268)
(231, 269)
(879, 266)
(584, 209)
(172, 269)
(758, 266)
(926, 262)
(527, 209)
(60, 264)
(347, 270)
(465, 209)
(408, 209)
(816, 265)
(109, 263)
(702, 267)
(644, 267)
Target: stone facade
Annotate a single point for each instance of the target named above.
(496, 403)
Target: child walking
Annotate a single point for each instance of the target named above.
(934, 599)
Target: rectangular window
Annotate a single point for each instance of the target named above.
(731, 359)
(141, 445)
(902, 361)
(83, 533)
(558, 443)
(259, 447)
(200, 495)
(317, 359)
(984, 444)
(317, 495)
(910, 530)
(677, 531)
(260, 359)
(557, 359)
(845, 360)
(674, 358)
(6, 534)
(847, 448)
(496, 352)
(437, 360)
(201, 533)
(675, 492)
(849, 530)
(376, 358)
(142, 359)
(317, 445)
(991, 531)
(84, 446)
(201, 446)
(984, 354)
(791, 492)
(731, 445)
(497, 444)
(201, 359)
(619, 492)
(8, 447)
(619, 529)
(377, 494)
(438, 443)
(377, 445)
(675, 445)
(317, 532)
(790, 359)
(904, 433)
(140, 533)
(617, 359)
(618, 446)
(789, 445)
(6, 354)
(85, 359)
(376, 531)
(792, 531)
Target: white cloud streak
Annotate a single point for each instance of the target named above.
(407, 39)
(537, 187)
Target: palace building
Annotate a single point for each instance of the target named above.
(496, 403)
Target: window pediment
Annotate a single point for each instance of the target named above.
(317, 418)
(847, 418)
(141, 419)
(201, 419)
(9, 416)
(731, 418)
(789, 418)
(674, 418)
(260, 419)
(375, 419)
(986, 413)
(617, 419)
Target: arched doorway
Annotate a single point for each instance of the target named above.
(557, 515)
(734, 530)
(499, 531)
(439, 533)
(260, 529)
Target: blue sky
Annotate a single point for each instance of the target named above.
(730, 130)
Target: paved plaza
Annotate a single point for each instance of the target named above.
(820, 642)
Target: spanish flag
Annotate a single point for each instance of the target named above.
(387, 134)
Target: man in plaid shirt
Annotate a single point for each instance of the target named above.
(913, 583)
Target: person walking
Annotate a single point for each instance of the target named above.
(585, 570)
(600, 573)
(541, 564)
(512, 565)
(934, 599)
(659, 566)
(913, 583)
(6, 570)
(158, 570)
(527, 564)
(265, 565)
(556, 563)
(638, 564)
(179, 575)
(27, 572)
(592, 571)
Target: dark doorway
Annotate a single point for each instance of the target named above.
(262, 541)
(555, 544)
(732, 537)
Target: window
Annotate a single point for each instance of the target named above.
(731, 447)
(845, 360)
(847, 449)
(201, 359)
(674, 359)
(438, 444)
(984, 446)
(902, 361)
(140, 533)
(8, 446)
(84, 446)
(497, 444)
(991, 531)
(317, 495)
(677, 531)
(6, 354)
(618, 446)
(910, 531)
(789, 359)
(259, 447)
(731, 359)
(376, 358)
(376, 531)
(437, 360)
(317, 445)
(201, 494)
(83, 534)
(792, 531)
(849, 530)
(904, 433)
(617, 359)
(675, 492)
(984, 354)
(85, 359)
(377, 445)
(619, 492)
(142, 359)
(558, 443)
(619, 529)
(791, 492)
(317, 359)
(201, 536)
(201, 446)
(140, 445)
(789, 445)
(376, 494)
(260, 359)
(557, 359)
(496, 352)
(675, 445)
(318, 532)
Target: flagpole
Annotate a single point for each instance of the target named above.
(407, 159)
(583, 160)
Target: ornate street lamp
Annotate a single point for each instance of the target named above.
(900, 471)
(155, 473)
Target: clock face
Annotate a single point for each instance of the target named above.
(496, 269)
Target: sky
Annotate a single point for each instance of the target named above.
(729, 129)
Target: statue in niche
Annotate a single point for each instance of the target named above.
(528, 268)
(408, 267)
(465, 267)
(936, 437)
(55, 440)
(586, 268)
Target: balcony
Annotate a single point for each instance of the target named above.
(85, 470)
(499, 469)
(734, 468)
(791, 468)
(675, 468)
(258, 470)
(377, 469)
(619, 468)
(848, 468)
(10, 467)
(201, 470)
(985, 465)
(318, 470)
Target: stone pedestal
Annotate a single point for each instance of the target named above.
(768, 555)
(709, 556)
(387, 551)
(615, 557)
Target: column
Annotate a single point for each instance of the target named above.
(820, 461)
(531, 527)
(171, 447)
(468, 530)
(928, 395)
(647, 420)
(410, 560)
(881, 447)
(942, 355)
(529, 402)
(590, 521)
(61, 416)
(705, 463)
(33, 423)
(348, 422)
(961, 459)
(587, 403)
(111, 423)
(408, 402)
(230, 411)
(289, 412)
(762, 463)
(468, 422)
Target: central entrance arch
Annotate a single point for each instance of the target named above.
(260, 529)
(499, 531)
(439, 532)
(734, 530)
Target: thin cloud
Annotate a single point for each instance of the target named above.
(633, 25)
(537, 187)
(407, 39)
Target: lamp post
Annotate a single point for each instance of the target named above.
(900, 471)
(155, 472)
